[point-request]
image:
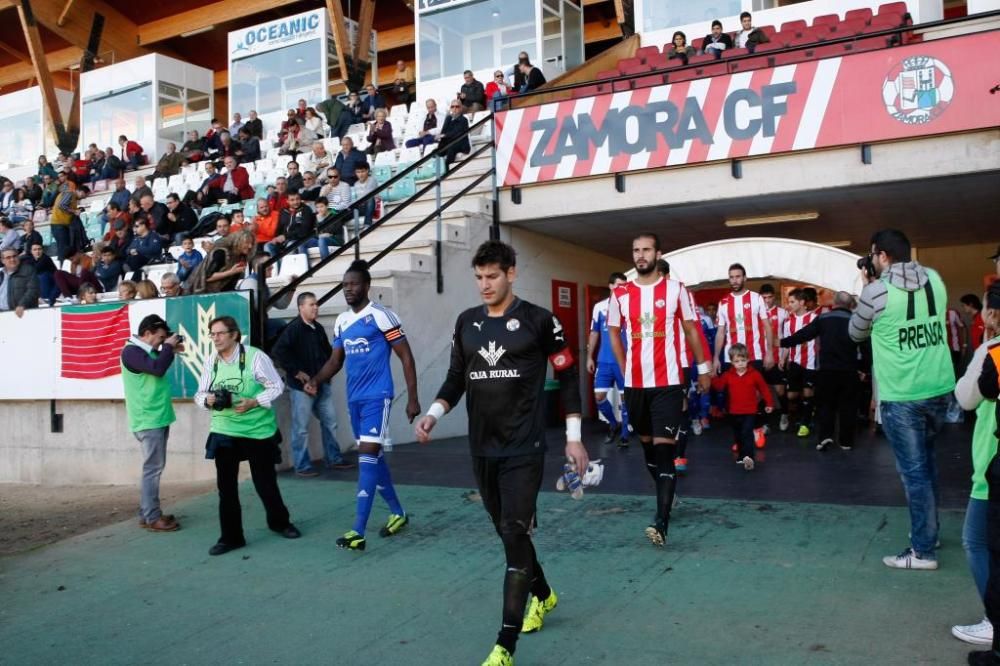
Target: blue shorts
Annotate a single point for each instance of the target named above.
(608, 375)
(370, 419)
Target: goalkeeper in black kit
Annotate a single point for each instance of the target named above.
(499, 358)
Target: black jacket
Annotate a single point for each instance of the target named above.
(301, 348)
(454, 127)
(474, 93)
(186, 220)
(21, 286)
(255, 127)
(724, 39)
(298, 224)
(837, 351)
(535, 79)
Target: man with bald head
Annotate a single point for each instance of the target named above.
(841, 364)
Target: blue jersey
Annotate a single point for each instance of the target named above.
(367, 338)
(599, 324)
(709, 328)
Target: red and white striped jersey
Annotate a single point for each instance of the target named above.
(955, 324)
(777, 316)
(804, 354)
(651, 316)
(744, 317)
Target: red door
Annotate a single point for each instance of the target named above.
(592, 295)
(566, 306)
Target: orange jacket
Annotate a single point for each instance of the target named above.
(267, 226)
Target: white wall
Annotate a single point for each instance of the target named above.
(976, 6)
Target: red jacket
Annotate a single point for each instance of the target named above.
(745, 390)
(131, 148)
(241, 181)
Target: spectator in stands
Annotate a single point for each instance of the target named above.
(749, 37)
(301, 350)
(45, 269)
(170, 285)
(21, 209)
(18, 284)
(513, 73)
(497, 88)
(63, 212)
(236, 125)
(249, 149)
(310, 187)
(169, 163)
(224, 266)
(334, 234)
(679, 48)
(113, 213)
(121, 238)
(105, 167)
(208, 192)
(44, 168)
(156, 214)
(297, 222)
(110, 269)
(86, 294)
(212, 135)
(187, 260)
(347, 160)
(222, 226)
(114, 167)
(433, 122)
(716, 41)
(80, 271)
(533, 78)
(9, 238)
(238, 222)
(365, 184)
(290, 130)
(278, 199)
(145, 247)
(254, 125)
(140, 189)
(6, 196)
(146, 290)
(401, 84)
(455, 126)
(294, 179)
(83, 165)
(60, 163)
(318, 159)
(300, 109)
(227, 147)
(30, 237)
(126, 290)
(336, 192)
(353, 110)
(180, 219)
(312, 129)
(265, 222)
(472, 95)
(334, 112)
(380, 134)
(236, 184)
(50, 190)
(193, 149)
(132, 153)
(372, 103)
(33, 191)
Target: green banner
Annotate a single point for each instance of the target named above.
(189, 316)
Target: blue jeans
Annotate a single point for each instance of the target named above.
(911, 427)
(60, 234)
(47, 288)
(322, 242)
(975, 544)
(304, 406)
(369, 212)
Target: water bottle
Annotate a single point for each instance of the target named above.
(570, 479)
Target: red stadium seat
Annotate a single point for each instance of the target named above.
(649, 81)
(697, 44)
(769, 31)
(851, 27)
(661, 61)
(748, 64)
(693, 60)
(818, 34)
(794, 27)
(625, 65)
(773, 45)
(586, 91)
(638, 68)
(788, 58)
(828, 51)
(826, 19)
(781, 38)
(885, 22)
(862, 14)
(603, 88)
(802, 41)
(711, 70)
(866, 44)
(893, 8)
(647, 52)
(608, 74)
(734, 53)
(621, 86)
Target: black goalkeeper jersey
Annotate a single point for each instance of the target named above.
(500, 364)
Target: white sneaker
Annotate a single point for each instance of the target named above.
(696, 427)
(977, 634)
(909, 560)
(747, 463)
(783, 423)
(822, 445)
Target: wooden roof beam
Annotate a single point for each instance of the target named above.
(76, 25)
(336, 15)
(203, 17)
(39, 63)
(56, 60)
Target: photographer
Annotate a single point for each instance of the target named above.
(239, 385)
(145, 360)
(902, 309)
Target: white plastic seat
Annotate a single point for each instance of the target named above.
(293, 264)
(386, 158)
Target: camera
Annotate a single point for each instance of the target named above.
(180, 339)
(223, 399)
(866, 264)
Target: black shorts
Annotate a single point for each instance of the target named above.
(656, 412)
(509, 489)
(775, 376)
(799, 378)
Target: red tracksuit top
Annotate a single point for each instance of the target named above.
(743, 390)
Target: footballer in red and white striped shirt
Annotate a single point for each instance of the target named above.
(800, 362)
(743, 319)
(804, 354)
(956, 331)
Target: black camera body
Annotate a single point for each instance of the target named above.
(223, 399)
(866, 264)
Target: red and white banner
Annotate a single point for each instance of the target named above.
(922, 89)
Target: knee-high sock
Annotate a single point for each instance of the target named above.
(624, 412)
(647, 452)
(783, 403)
(608, 411)
(385, 487)
(516, 586)
(367, 482)
(666, 480)
(539, 586)
(682, 442)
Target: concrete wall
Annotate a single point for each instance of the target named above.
(962, 267)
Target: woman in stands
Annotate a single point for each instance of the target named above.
(380, 134)
(224, 266)
(45, 169)
(21, 208)
(497, 88)
(311, 130)
(679, 48)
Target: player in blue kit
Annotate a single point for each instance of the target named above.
(363, 339)
(607, 373)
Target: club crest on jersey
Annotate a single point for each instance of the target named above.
(646, 320)
(918, 90)
(513, 325)
(660, 303)
(492, 355)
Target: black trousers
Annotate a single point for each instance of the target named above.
(837, 401)
(260, 455)
(992, 598)
(743, 426)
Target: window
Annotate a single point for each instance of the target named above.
(267, 81)
(476, 35)
(21, 137)
(667, 14)
(127, 112)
